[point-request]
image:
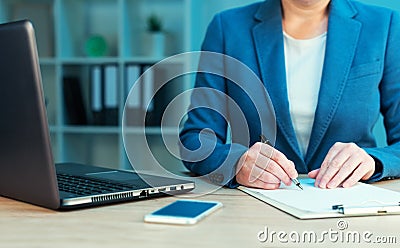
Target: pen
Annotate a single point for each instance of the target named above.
(266, 141)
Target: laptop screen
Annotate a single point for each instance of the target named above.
(27, 169)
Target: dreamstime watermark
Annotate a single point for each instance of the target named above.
(165, 104)
(340, 234)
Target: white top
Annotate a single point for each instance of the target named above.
(304, 61)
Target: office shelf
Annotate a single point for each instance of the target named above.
(90, 130)
(63, 28)
(151, 130)
(47, 61)
(89, 61)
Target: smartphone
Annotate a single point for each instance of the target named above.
(184, 212)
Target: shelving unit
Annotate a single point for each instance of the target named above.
(61, 36)
(122, 23)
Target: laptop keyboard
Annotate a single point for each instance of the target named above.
(88, 186)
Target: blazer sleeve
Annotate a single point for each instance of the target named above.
(389, 156)
(204, 148)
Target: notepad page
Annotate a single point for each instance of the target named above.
(313, 199)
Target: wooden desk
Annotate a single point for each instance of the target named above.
(237, 224)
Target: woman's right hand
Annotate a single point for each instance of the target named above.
(263, 166)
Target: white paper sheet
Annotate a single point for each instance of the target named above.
(316, 200)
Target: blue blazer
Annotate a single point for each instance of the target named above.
(360, 80)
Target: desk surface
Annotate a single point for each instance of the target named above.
(237, 224)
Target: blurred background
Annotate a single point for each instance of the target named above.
(92, 51)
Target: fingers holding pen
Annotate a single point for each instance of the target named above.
(248, 174)
(268, 165)
(263, 166)
(280, 158)
(275, 162)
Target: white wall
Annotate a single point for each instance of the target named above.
(204, 10)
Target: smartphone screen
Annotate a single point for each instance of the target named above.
(183, 212)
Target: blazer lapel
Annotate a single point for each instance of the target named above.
(268, 39)
(342, 38)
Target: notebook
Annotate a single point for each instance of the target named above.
(27, 169)
(313, 203)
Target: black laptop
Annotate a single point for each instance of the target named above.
(27, 169)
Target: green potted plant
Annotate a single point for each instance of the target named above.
(157, 36)
(154, 23)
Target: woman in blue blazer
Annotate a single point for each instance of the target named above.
(358, 78)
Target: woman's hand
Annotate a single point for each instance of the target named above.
(345, 165)
(262, 166)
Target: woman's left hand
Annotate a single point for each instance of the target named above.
(345, 165)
